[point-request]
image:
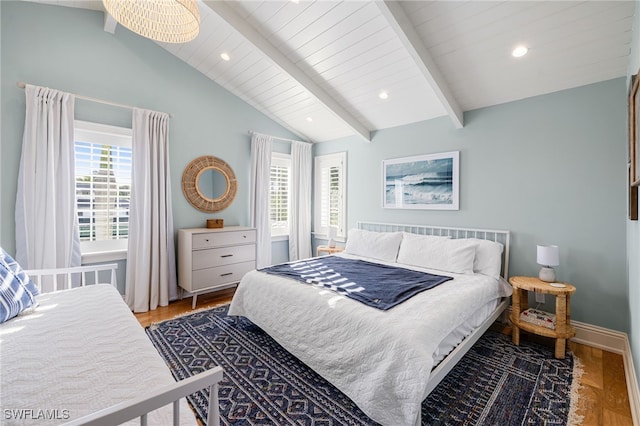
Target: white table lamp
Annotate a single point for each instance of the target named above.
(548, 256)
(333, 232)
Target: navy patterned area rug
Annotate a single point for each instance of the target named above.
(496, 383)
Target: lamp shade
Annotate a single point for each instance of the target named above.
(333, 232)
(548, 255)
(168, 21)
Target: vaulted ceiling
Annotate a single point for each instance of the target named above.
(319, 67)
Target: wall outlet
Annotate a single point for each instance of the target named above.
(540, 298)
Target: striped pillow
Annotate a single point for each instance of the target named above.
(16, 289)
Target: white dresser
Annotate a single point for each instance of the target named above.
(214, 259)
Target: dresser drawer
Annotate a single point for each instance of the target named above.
(211, 277)
(217, 239)
(223, 256)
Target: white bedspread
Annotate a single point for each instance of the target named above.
(81, 350)
(380, 359)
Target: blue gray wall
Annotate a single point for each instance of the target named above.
(551, 169)
(67, 49)
(633, 227)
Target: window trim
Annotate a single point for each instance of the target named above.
(103, 133)
(320, 162)
(104, 250)
(106, 255)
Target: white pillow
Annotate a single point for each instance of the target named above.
(426, 237)
(488, 257)
(377, 245)
(433, 252)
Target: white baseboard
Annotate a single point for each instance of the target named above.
(616, 342)
(632, 385)
(599, 337)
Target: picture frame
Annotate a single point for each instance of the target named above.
(429, 181)
(634, 149)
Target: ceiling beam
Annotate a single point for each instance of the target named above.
(404, 29)
(286, 65)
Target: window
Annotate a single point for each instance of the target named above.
(103, 185)
(330, 193)
(279, 194)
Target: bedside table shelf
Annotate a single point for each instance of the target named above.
(520, 302)
(545, 331)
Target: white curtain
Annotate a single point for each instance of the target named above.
(46, 217)
(151, 270)
(261, 146)
(300, 202)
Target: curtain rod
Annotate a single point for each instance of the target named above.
(22, 85)
(251, 132)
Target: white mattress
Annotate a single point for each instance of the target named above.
(380, 359)
(474, 321)
(80, 351)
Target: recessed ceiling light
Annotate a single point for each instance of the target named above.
(225, 56)
(309, 119)
(519, 51)
(383, 95)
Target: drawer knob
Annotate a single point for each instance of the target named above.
(226, 255)
(227, 274)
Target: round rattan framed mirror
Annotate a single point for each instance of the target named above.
(208, 199)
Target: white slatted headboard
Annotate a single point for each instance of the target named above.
(501, 236)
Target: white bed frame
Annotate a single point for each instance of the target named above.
(65, 278)
(500, 236)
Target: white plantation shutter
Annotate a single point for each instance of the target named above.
(323, 186)
(279, 195)
(330, 190)
(335, 196)
(103, 191)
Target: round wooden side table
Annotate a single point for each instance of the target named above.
(520, 302)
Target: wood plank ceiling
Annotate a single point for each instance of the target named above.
(318, 67)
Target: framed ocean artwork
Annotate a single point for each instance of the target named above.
(422, 182)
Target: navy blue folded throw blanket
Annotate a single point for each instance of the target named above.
(373, 284)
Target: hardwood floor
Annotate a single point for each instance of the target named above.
(603, 396)
(603, 399)
(183, 306)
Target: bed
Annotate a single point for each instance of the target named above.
(387, 362)
(81, 357)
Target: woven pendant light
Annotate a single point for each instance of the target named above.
(168, 21)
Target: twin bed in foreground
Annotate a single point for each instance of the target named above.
(80, 357)
(82, 351)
